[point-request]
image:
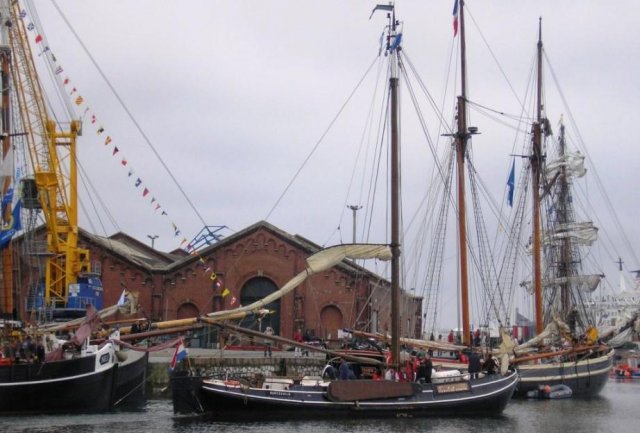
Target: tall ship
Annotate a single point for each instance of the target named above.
(566, 348)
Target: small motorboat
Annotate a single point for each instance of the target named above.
(550, 392)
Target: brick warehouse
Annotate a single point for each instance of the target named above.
(251, 263)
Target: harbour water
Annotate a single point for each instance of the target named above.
(616, 410)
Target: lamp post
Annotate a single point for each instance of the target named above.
(153, 239)
(354, 209)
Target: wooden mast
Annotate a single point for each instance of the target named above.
(461, 145)
(6, 276)
(536, 162)
(395, 197)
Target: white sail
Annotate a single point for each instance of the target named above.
(572, 162)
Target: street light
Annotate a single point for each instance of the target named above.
(153, 238)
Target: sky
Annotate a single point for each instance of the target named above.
(232, 96)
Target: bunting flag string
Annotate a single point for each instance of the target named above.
(80, 102)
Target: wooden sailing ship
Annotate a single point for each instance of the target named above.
(230, 397)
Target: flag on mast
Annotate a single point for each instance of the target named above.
(511, 183)
(455, 18)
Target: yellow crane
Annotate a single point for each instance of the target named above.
(53, 157)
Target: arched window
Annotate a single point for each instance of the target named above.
(187, 310)
(331, 320)
(256, 289)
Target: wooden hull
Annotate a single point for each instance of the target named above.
(79, 385)
(222, 399)
(586, 377)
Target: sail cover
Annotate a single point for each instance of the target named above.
(320, 261)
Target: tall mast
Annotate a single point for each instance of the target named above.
(536, 162)
(393, 45)
(395, 200)
(6, 289)
(461, 145)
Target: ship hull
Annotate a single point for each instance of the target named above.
(586, 377)
(222, 399)
(80, 385)
(131, 380)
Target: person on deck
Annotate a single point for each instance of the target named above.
(267, 341)
(297, 337)
(345, 371)
(474, 364)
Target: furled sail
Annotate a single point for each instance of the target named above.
(582, 233)
(584, 283)
(320, 261)
(572, 162)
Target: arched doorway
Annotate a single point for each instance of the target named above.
(331, 320)
(256, 289)
(187, 310)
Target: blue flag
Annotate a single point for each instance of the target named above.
(511, 183)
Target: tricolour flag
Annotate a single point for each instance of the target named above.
(455, 18)
(511, 183)
(180, 354)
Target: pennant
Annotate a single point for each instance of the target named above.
(115, 150)
(79, 100)
(74, 90)
(138, 182)
(23, 14)
(130, 173)
(153, 199)
(107, 140)
(207, 269)
(233, 300)
(66, 81)
(59, 70)
(100, 130)
(93, 118)
(123, 162)
(163, 213)
(30, 26)
(145, 192)
(157, 206)
(225, 292)
(38, 39)
(455, 18)
(213, 276)
(511, 183)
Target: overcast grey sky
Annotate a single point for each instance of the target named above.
(233, 95)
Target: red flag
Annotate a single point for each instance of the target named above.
(145, 192)
(38, 39)
(124, 161)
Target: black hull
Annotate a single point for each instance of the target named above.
(131, 380)
(586, 378)
(68, 386)
(486, 396)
